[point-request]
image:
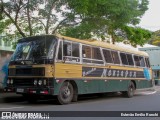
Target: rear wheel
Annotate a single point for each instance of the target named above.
(66, 92)
(130, 92)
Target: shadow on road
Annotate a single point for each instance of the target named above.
(12, 98)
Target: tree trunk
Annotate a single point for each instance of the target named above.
(29, 20)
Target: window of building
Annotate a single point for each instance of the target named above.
(7, 43)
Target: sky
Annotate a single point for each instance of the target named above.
(151, 19)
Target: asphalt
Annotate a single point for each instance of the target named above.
(7, 96)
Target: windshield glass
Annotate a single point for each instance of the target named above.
(35, 50)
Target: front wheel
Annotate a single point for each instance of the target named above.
(130, 92)
(66, 92)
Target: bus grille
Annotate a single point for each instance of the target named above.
(23, 82)
(26, 71)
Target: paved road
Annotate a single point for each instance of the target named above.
(142, 101)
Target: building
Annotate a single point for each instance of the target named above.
(154, 56)
(6, 48)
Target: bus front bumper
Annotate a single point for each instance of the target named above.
(27, 90)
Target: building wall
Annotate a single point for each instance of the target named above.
(6, 48)
(154, 57)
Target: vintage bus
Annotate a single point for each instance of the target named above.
(66, 67)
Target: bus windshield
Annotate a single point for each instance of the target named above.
(36, 50)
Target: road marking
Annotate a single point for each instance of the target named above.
(12, 108)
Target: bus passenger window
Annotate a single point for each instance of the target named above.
(147, 62)
(75, 49)
(96, 54)
(115, 57)
(130, 59)
(67, 49)
(142, 63)
(60, 51)
(124, 58)
(107, 56)
(136, 59)
(86, 51)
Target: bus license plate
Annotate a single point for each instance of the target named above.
(20, 90)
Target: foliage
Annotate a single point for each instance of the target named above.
(33, 17)
(137, 35)
(107, 16)
(155, 39)
(76, 18)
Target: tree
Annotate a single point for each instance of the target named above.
(111, 17)
(155, 39)
(32, 17)
(75, 18)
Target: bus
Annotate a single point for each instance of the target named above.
(64, 67)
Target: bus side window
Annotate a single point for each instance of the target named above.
(75, 49)
(124, 58)
(147, 62)
(107, 56)
(130, 59)
(142, 63)
(67, 48)
(137, 61)
(115, 57)
(96, 54)
(60, 51)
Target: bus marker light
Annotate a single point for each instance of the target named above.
(44, 92)
(58, 81)
(32, 91)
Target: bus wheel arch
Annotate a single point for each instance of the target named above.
(75, 90)
(68, 92)
(130, 90)
(134, 84)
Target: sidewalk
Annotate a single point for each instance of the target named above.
(157, 88)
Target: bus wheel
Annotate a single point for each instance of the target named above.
(66, 92)
(130, 92)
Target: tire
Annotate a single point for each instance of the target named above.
(130, 92)
(66, 92)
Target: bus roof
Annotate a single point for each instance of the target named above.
(89, 42)
(104, 45)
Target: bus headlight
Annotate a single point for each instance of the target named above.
(40, 82)
(11, 81)
(8, 81)
(45, 82)
(35, 82)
